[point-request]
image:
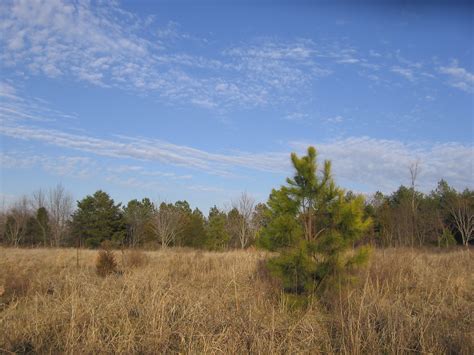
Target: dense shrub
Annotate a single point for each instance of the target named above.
(106, 263)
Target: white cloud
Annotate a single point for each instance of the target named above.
(8, 91)
(73, 166)
(405, 72)
(348, 61)
(296, 116)
(172, 32)
(147, 150)
(104, 45)
(101, 44)
(273, 70)
(459, 77)
(373, 163)
(335, 119)
(374, 53)
(379, 164)
(14, 107)
(140, 170)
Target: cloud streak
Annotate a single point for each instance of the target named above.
(72, 166)
(459, 77)
(372, 163)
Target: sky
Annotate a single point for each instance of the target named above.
(204, 100)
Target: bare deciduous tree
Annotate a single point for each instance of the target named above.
(17, 219)
(414, 171)
(461, 209)
(60, 208)
(167, 224)
(3, 221)
(38, 200)
(137, 216)
(245, 205)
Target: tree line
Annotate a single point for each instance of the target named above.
(406, 217)
(49, 218)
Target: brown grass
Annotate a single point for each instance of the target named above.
(135, 258)
(202, 302)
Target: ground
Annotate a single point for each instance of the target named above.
(176, 301)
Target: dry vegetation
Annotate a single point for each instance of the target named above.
(190, 301)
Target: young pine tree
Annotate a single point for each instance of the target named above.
(217, 236)
(314, 226)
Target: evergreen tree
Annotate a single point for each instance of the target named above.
(217, 236)
(282, 229)
(260, 216)
(32, 232)
(314, 225)
(194, 232)
(183, 206)
(42, 218)
(137, 215)
(233, 225)
(38, 230)
(97, 219)
(185, 212)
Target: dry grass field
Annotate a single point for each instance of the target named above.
(182, 301)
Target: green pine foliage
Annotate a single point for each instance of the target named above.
(281, 232)
(217, 234)
(137, 215)
(294, 268)
(38, 230)
(98, 219)
(194, 231)
(447, 239)
(281, 229)
(314, 225)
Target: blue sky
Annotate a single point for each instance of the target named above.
(204, 100)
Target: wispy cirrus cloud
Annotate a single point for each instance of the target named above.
(16, 107)
(458, 77)
(362, 160)
(106, 46)
(407, 73)
(372, 163)
(296, 116)
(335, 119)
(140, 170)
(146, 150)
(103, 45)
(8, 92)
(72, 166)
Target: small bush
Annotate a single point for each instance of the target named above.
(136, 258)
(106, 263)
(16, 285)
(447, 239)
(92, 243)
(271, 284)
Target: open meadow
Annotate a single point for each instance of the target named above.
(186, 301)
